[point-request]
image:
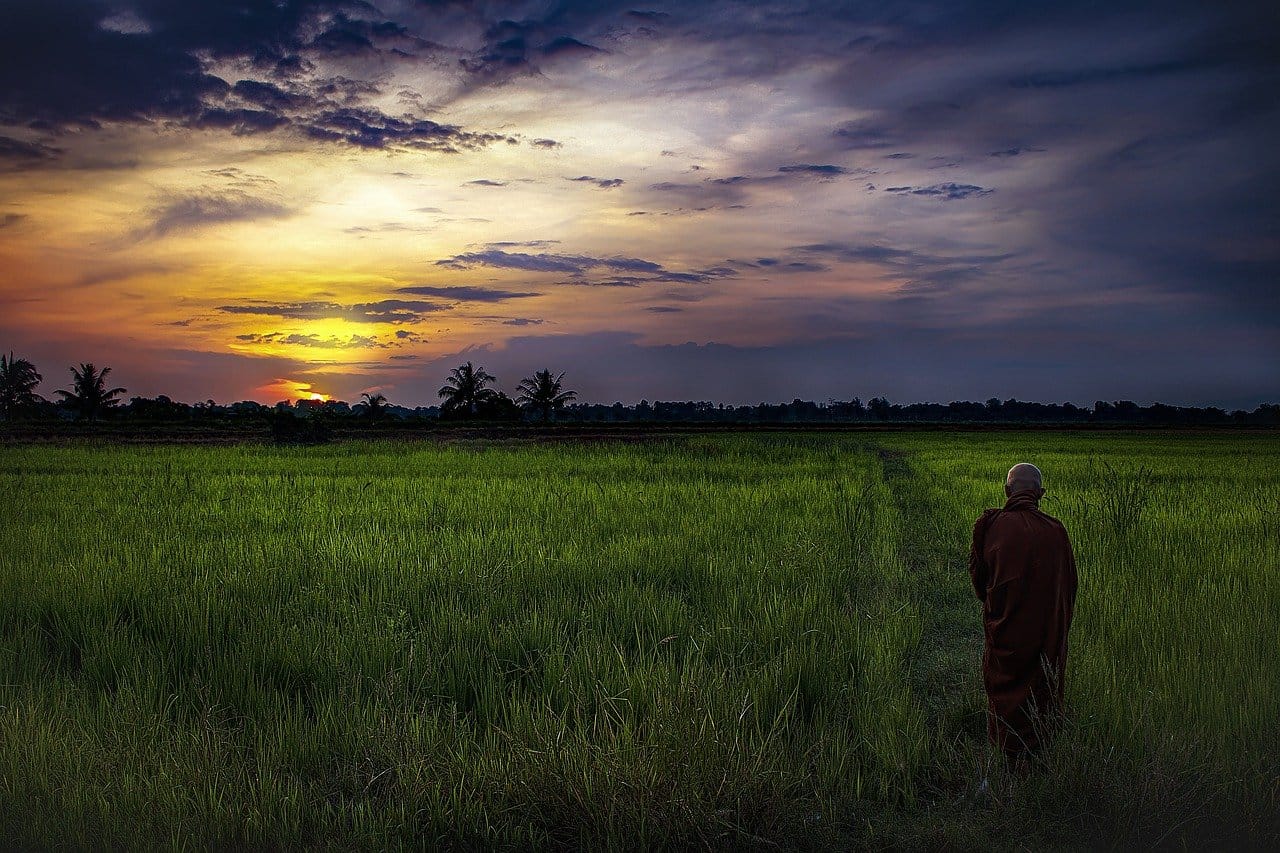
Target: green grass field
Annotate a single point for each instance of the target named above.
(724, 641)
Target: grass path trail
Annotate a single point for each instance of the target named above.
(934, 549)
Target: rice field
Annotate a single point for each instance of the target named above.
(732, 642)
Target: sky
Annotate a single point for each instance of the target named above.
(737, 202)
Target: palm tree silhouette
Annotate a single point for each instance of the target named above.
(89, 393)
(375, 405)
(466, 388)
(544, 393)
(18, 381)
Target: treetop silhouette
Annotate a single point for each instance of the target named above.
(18, 381)
(466, 388)
(89, 394)
(544, 393)
(375, 405)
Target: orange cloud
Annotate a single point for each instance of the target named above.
(290, 389)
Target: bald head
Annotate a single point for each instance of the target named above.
(1023, 477)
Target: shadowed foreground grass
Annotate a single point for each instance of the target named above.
(730, 641)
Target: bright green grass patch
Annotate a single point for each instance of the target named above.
(725, 641)
(1172, 679)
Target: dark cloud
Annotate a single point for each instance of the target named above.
(370, 128)
(505, 52)
(341, 40)
(784, 265)
(384, 228)
(385, 311)
(914, 269)
(948, 191)
(514, 260)
(58, 66)
(603, 183)
(486, 182)
(9, 219)
(285, 67)
(114, 272)
(182, 212)
(880, 254)
(66, 67)
(534, 244)
(464, 293)
(855, 135)
(707, 194)
(241, 122)
(708, 273)
(238, 177)
(545, 143)
(18, 153)
(1086, 76)
(345, 90)
(634, 271)
(607, 281)
(316, 341)
(563, 45)
(545, 262)
(810, 169)
(664, 309)
(269, 96)
(1015, 151)
(523, 321)
(346, 36)
(516, 48)
(647, 15)
(731, 191)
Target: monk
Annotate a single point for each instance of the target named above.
(1024, 573)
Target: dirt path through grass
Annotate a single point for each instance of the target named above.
(933, 547)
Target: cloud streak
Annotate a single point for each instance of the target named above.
(949, 191)
(185, 212)
(467, 293)
(395, 311)
(314, 341)
(633, 271)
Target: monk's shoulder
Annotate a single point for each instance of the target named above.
(1053, 520)
(1056, 525)
(988, 515)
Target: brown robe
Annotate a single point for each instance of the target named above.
(1024, 573)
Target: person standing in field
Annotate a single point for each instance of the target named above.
(1024, 573)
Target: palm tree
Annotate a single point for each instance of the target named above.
(89, 393)
(466, 388)
(375, 405)
(544, 393)
(18, 381)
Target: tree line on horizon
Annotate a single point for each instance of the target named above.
(468, 395)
